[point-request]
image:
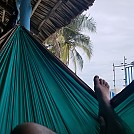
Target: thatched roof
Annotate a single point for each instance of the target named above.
(47, 15)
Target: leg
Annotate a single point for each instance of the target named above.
(31, 128)
(108, 116)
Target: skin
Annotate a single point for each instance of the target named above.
(109, 123)
(108, 119)
(31, 128)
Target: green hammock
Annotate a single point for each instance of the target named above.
(36, 87)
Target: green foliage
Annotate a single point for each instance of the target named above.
(65, 42)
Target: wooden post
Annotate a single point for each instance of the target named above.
(25, 12)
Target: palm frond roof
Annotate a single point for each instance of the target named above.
(47, 15)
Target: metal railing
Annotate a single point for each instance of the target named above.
(128, 72)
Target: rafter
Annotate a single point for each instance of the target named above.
(5, 6)
(50, 13)
(4, 12)
(3, 15)
(35, 7)
(6, 1)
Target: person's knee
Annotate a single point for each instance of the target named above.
(31, 128)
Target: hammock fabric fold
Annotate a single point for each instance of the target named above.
(36, 87)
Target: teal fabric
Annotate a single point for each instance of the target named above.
(36, 88)
(126, 112)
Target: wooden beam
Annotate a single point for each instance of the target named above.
(50, 13)
(3, 15)
(35, 7)
(6, 7)
(4, 12)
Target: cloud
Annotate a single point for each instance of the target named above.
(114, 39)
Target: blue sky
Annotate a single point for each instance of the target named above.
(113, 40)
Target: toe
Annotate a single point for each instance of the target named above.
(106, 84)
(101, 81)
(96, 80)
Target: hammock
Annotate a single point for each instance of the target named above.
(36, 87)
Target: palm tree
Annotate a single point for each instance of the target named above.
(65, 43)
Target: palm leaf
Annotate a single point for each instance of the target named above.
(65, 53)
(87, 50)
(73, 60)
(64, 42)
(79, 59)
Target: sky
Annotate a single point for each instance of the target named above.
(113, 40)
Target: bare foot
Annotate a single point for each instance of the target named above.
(109, 123)
(101, 88)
